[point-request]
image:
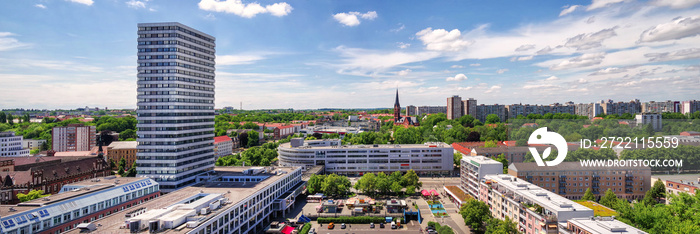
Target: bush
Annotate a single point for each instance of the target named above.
(305, 229)
(358, 219)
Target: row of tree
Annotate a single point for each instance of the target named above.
(477, 216)
(8, 118)
(262, 155)
(330, 185)
(384, 184)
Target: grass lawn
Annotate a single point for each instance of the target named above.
(598, 209)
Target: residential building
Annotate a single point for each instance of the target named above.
(619, 108)
(690, 106)
(649, 118)
(570, 179)
(454, 107)
(236, 200)
(74, 137)
(482, 111)
(661, 107)
(48, 174)
(676, 184)
(122, 149)
(472, 170)
(425, 110)
(469, 107)
(11, 145)
(223, 146)
(598, 225)
(81, 202)
(534, 209)
(512, 153)
(32, 144)
(589, 109)
(411, 110)
(175, 99)
(425, 159)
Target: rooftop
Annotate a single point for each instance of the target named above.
(481, 160)
(604, 226)
(233, 191)
(568, 166)
(544, 198)
(123, 145)
(221, 139)
(383, 146)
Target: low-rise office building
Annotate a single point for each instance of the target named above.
(229, 200)
(428, 158)
(570, 179)
(81, 202)
(11, 145)
(32, 144)
(535, 210)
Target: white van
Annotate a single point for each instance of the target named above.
(393, 225)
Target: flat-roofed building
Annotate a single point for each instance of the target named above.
(598, 225)
(473, 169)
(230, 200)
(570, 179)
(32, 144)
(122, 149)
(535, 210)
(428, 158)
(74, 137)
(454, 107)
(11, 145)
(81, 202)
(223, 146)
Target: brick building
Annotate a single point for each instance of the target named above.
(121, 149)
(74, 137)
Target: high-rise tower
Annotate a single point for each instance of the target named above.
(175, 104)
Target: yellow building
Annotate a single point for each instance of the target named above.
(122, 149)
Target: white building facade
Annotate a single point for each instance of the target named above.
(11, 145)
(473, 169)
(425, 159)
(175, 103)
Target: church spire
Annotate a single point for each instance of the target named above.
(396, 103)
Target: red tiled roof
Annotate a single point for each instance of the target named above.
(221, 139)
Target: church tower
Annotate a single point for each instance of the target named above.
(397, 108)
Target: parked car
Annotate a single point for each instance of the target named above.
(342, 226)
(331, 225)
(393, 225)
(371, 225)
(381, 225)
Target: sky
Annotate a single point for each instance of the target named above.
(355, 54)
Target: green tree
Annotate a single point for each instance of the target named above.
(475, 213)
(396, 187)
(252, 138)
(588, 195)
(609, 199)
(654, 195)
(367, 183)
(492, 119)
(120, 171)
(26, 118)
(126, 134)
(457, 157)
(411, 179)
(490, 144)
(3, 117)
(410, 190)
(10, 119)
(335, 185)
(502, 159)
(122, 163)
(315, 184)
(31, 195)
(383, 183)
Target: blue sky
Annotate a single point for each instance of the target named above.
(354, 54)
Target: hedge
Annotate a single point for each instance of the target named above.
(357, 219)
(305, 229)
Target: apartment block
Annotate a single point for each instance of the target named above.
(454, 107)
(589, 109)
(485, 110)
(598, 225)
(223, 146)
(32, 144)
(74, 137)
(570, 179)
(122, 149)
(472, 170)
(661, 107)
(469, 107)
(427, 110)
(534, 209)
(649, 118)
(619, 108)
(690, 106)
(11, 145)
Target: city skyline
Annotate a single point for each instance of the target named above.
(275, 54)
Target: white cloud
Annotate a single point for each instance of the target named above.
(404, 72)
(609, 70)
(603, 3)
(9, 43)
(398, 29)
(246, 10)
(85, 2)
(433, 88)
(136, 4)
(545, 50)
(474, 64)
(584, 60)
(587, 41)
(224, 60)
(456, 66)
(492, 89)
(540, 86)
(387, 84)
(525, 47)
(40, 6)
(676, 4)
(690, 53)
(679, 28)
(442, 40)
(501, 71)
(552, 78)
(350, 19)
(590, 20)
(523, 58)
(465, 88)
(458, 77)
(210, 16)
(403, 45)
(368, 62)
(568, 9)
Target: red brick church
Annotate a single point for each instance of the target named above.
(405, 121)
